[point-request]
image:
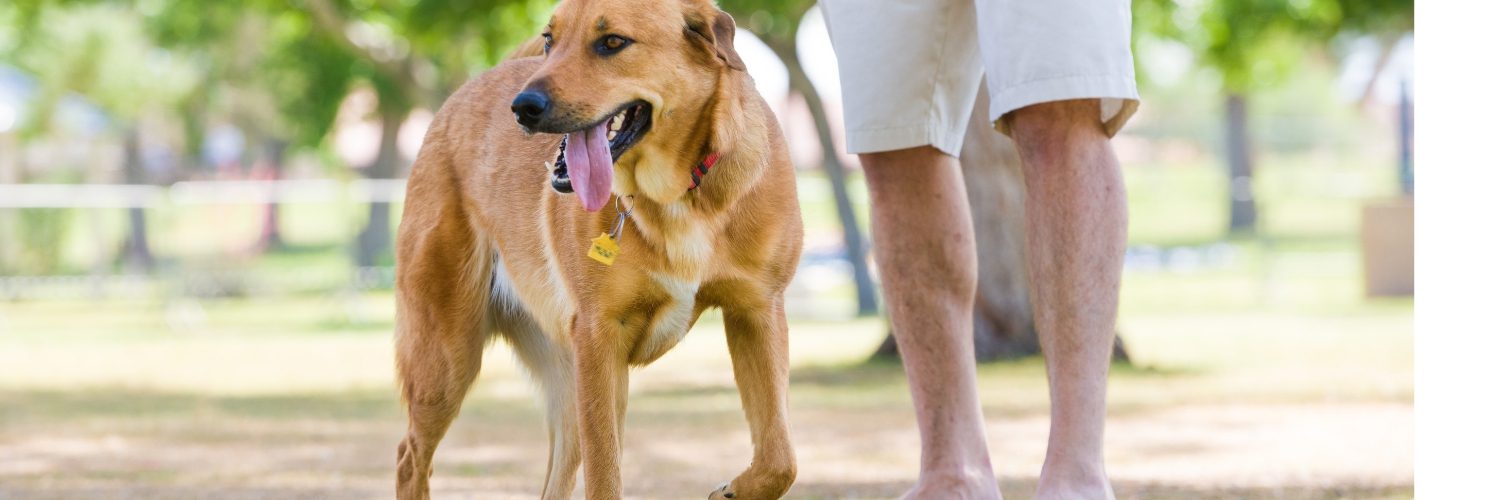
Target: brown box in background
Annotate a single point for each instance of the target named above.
(1387, 231)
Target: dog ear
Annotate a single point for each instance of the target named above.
(719, 35)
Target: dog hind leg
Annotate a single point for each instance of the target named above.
(435, 379)
(441, 330)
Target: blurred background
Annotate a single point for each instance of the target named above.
(198, 199)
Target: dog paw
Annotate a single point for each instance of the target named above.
(722, 492)
(758, 483)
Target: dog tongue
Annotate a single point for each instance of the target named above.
(589, 165)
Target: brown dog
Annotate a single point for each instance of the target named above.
(660, 116)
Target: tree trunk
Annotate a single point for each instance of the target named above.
(10, 173)
(1387, 50)
(275, 156)
(994, 182)
(375, 240)
(193, 113)
(1242, 213)
(1405, 128)
(997, 197)
(854, 241)
(137, 255)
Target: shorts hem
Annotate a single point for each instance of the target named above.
(876, 140)
(1111, 87)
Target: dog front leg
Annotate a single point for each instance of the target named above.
(602, 378)
(758, 345)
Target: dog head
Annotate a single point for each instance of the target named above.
(614, 71)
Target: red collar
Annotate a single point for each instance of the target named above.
(701, 169)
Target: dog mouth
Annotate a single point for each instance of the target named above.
(623, 129)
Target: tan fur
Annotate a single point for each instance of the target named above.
(486, 246)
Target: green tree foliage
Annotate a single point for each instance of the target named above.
(266, 68)
(99, 52)
(306, 54)
(303, 57)
(424, 49)
(1254, 43)
(768, 19)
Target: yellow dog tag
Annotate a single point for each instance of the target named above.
(604, 250)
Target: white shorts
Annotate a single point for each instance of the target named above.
(910, 69)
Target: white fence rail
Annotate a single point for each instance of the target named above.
(200, 193)
(215, 280)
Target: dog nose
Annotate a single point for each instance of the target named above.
(530, 106)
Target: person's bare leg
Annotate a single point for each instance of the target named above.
(1075, 244)
(924, 245)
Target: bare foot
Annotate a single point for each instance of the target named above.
(972, 485)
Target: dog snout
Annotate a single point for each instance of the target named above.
(531, 107)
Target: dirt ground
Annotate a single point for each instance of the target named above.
(677, 447)
(1287, 407)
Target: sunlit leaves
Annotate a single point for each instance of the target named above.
(102, 53)
(1254, 42)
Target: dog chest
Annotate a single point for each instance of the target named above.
(669, 319)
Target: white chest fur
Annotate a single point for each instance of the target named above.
(685, 238)
(669, 322)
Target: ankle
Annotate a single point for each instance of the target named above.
(962, 457)
(955, 483)
(1074, 479)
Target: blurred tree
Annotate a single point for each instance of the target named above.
(415, 52)
(265, 74)
(776, 23)
(1253, 44)
(99, 52)
(286, 67)
(279, 69)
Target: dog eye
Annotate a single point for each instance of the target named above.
(547, 43)
(610, 44)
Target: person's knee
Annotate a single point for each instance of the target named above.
(893, 166)
(1046, 133)
(1073, 115)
